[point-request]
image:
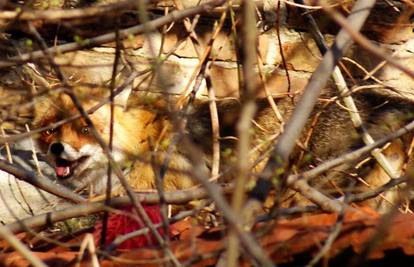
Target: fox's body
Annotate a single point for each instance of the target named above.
(80, 160)
(143, 137)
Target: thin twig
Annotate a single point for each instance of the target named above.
(7, 145)
(269, 96)
(89, 244)
(248, 110)
(336, 229)
(215, 125)
(105, 216)
(280, 47)
(377, 191)
(34, 155)
(122, 238)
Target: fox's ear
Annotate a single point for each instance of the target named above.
(43, 110)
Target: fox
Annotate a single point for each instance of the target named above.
(79, 161)
(144, 137)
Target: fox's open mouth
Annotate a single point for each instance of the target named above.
(65, 168)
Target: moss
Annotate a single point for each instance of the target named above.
(74, 225)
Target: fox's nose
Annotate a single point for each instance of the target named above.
(57, 148)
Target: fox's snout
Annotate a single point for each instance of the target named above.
(56, 148)
(60, 149)
(66, 159)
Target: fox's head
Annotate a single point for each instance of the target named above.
(74, 153)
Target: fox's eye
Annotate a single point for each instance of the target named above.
(50, 131)
(85, 130)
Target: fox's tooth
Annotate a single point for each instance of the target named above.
(67, 171)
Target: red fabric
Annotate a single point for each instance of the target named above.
(120, 224)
